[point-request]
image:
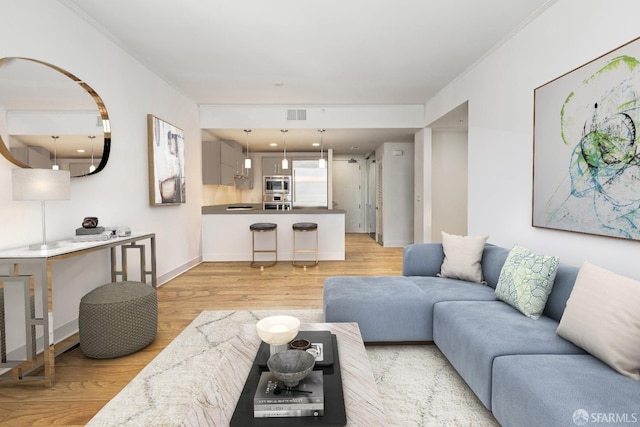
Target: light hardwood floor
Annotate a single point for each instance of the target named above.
(83, 386)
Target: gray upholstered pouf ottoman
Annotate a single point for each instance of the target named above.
(117, 319)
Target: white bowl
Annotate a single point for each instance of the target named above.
(278, 330)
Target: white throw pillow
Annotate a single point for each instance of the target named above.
(603, 317)
(462, 257)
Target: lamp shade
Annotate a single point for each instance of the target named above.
(41, 184)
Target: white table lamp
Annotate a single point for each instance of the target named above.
(41, 185)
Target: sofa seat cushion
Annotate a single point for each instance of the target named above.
(380, 303)
(443, 289)
(562, 390)
(390, 308)
(471, 334)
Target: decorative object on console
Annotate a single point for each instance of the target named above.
(602, 317)
(278, 331)
(88, 231)
(90, 227)
(123, 231)
(462, 256)
(526, 280)
(166, 163)
(41, 185)
(93, 236)
(585, 147)
(90, 222)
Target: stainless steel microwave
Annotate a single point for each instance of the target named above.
(277, 184)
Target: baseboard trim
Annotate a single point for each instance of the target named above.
(164, 278)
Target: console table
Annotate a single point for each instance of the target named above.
(21, 370)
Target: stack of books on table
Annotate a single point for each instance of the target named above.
(274, 400)
(92, 234)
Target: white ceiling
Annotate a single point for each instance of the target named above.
(292, 52)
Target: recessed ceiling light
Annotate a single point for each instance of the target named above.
(273, 144)
(316, 144)
(355, 147)
(80, 150)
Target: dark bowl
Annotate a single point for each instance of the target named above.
(300, 344)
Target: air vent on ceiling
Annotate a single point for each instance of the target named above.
(296, 114)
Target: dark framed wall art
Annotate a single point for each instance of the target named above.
(586, 160)
(166, 163)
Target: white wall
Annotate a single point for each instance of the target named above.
(449, 191)
(397, 192)
(422, 184)
(48, 31)
(500, 94)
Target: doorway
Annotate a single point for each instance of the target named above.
(371, 202)
(449, 168)
(347, 192)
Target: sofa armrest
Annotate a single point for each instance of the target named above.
(422, 259)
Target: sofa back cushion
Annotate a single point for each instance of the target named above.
(562, 286)
(425, 259)
(422, 259)
(493, 258)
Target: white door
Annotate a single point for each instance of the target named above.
(379, 205)
(347, 193)
(370, 210)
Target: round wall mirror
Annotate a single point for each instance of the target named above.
(49, 118)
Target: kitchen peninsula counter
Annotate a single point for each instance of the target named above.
(226, 235)
(256, 208)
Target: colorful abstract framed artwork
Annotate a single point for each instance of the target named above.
(166, 163)
(586, 159)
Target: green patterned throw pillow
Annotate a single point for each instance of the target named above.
(526, 280)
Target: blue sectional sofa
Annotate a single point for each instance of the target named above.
(518, 367)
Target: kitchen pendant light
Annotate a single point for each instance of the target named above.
(247, 160)
(285, 162)
(55, 152)
(321, 161)
(92, 168)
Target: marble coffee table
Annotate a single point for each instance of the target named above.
(197, 380)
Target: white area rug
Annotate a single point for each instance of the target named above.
(420, 388)
(416, 383)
